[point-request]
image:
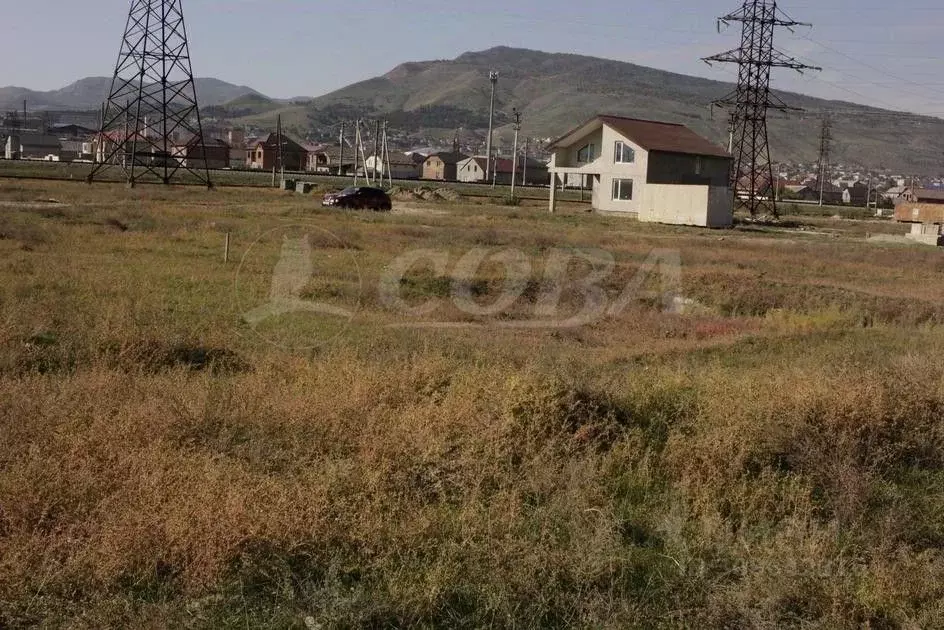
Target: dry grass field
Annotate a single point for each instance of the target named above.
(770, 456)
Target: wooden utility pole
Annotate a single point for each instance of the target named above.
(357, 146)
(341, 154)
(493, 79)
(386, 156)
(524, 168)
(514, 152)
(375, 176)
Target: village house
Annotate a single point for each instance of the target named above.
(921, 205)
(442, 166)
(655, 171)
(33, 146)
(264, 154)
(473, 170)
(215, 154)
(402, 166)
(327, 160)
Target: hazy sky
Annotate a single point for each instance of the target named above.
(872, 51)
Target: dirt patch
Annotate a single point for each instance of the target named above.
(417, 210)
(39, 204)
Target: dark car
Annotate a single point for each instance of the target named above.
(360, 198)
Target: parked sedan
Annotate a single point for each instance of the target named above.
(360, 198)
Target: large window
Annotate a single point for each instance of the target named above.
(586, 154)
(624, 154)
(623, 189)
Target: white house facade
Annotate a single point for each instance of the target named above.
(657, 172)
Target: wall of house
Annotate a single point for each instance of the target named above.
(703, 206)
(677, 168)
(470, 171)
(434, 168)
(609, 171)
(680, 205)
(566, 157)
(720, 207)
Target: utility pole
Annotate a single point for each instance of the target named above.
(357, 145)
(280, 157)
(868, 195)
(752, 98)
(341, 154)
(825, 144)
(385, 154)
(524, 169)
(376, 151)
(493, 79)
(514, 152)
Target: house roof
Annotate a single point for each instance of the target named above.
(651, 135)
(37, 140)
(208, 142)
(502, 165)
(929, 194)
(402, 159)
(272, 142)
(448, 157)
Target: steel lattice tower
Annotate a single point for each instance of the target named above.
(752, 175)
(151, 125)
(825, 143)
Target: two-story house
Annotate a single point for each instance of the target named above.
(264, 154)
(658, 172)
(442, 166)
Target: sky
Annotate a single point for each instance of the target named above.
(871, 51)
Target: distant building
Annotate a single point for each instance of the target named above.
(656, 171)
(77, 150)
(327, 160)
(894, 193)
(856, 195)
(72, 132)
(33, 146)
(800, 192)
(264, 154)
(402, 166)
(442, 166)
(923, 195)
(214, 154)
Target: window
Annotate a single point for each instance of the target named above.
(624, 154)
(698, 165)
(623, 189)
(586, 154)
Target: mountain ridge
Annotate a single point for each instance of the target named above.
(90, 92)
(427, 102)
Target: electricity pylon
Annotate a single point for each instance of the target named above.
(752, 175)
(150, 125)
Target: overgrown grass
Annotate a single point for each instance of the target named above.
(772, 458)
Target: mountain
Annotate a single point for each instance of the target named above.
(555, 92)
(427, 102)
(89, 93)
